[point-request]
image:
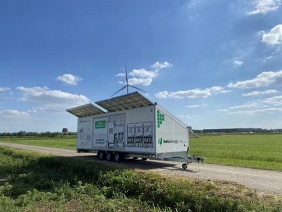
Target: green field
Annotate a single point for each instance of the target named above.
(261, 151)
(34, 182)
(63, 142)
(250, 150)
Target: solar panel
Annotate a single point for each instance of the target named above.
(85, 110)
(125, 102)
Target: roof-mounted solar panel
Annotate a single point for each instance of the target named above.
(125, 102)
(85, 110)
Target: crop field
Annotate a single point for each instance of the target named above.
(261, 151)
(30, 181)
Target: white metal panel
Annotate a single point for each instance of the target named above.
(85, 110)
(171, 136)
(84, 133)
(125, 102)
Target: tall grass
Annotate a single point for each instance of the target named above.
(250, 150)
(39, 182)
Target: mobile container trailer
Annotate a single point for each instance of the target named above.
(131, 126)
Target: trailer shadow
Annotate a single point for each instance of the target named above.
(138, 164)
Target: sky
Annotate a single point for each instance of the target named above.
(212, 64)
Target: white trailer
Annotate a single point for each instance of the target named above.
(131, 126)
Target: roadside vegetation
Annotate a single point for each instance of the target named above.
(262, 151)
(31, 181)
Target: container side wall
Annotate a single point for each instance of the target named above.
(172, 137)
(140, 130)
(84, 133)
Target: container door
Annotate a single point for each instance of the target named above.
(100, 134)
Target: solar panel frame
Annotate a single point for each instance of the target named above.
(125, 102)
(86, 110)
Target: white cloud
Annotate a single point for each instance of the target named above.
(143, 76)
(13, 113)
(274, 36)
(267, 58)
(140, 81)
(257, 93)
(237, 63)
(52, 99)
(120, 75)
(143, 73)
(195, 93)
(69, 79)
(158, 65)
(275, 100)
(4, 89)
(247, 105)
(265, 6)
(193, 106)
(185, 117)
(252, 112)
(262, 80)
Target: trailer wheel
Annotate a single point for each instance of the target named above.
(118, 156)
(144, 158)
(184, 166)
(135, 158)
(101, 155)
(109, 156)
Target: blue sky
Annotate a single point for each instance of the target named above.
(213, 64)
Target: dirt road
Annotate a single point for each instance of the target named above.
(264, 180)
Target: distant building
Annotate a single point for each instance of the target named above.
(65, 131)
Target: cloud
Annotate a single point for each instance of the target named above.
(275, 100)
(185, 116)
(252, 112)
(237, 63)
(69, 79)
(140, 81)
(257, 93)
(143, 76)
(51, 99)
(2, 89)
(120, 75)
(262, 80)
(13, 113)
(195, 93)
(158, 65)
(274, 36)
(143, 73)
(265, 6)
(247, 105)
(193, 106)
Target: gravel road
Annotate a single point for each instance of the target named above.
(263, 180)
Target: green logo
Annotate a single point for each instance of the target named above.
(160, 118)
(100, 124)
(160, 141)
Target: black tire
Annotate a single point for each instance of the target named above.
(109, 156)
(118, 156)
(184, 166)
(135, 158)
(101, 155)
(144, 158)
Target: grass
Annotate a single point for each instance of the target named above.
(35, 182)
(249, 150)
(262, 151)
(63, 142)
